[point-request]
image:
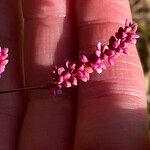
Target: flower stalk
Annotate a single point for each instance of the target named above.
(70, 74)
(23, 89)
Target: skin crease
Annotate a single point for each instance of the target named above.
(49, 39)
(11, 105)
(111, 108)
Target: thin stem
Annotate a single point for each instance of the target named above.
(24, 89)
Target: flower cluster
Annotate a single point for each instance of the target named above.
(69, 74)
(3, 59)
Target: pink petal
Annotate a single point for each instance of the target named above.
(67, 64)
(119, 49)
(128, 29)
(99, 44)
(80, 74)
(134, 27)
(2, 57)
(4, 62)
(84, 79)
(104, 66)
(67, 76)
(83, 58)
(60, 80)
(2, 69)
(124, 35)
(87, 75)
(105, 47)
(127, 22)
(94, 66)
(123, 44)
(109, 52)
(115, 44)
(61, 70)
(111, 61)
(137, 36)
(67, 84)
(99, 70)
(88, 69)
(74, 81)
(81, 68)
(97, 53)
(5, 50)
(133, 41)
(72, 66)
(125, 50)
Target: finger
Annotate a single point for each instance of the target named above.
(49, 121)
(11, 105)
(111, 106)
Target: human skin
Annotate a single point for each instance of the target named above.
(108, 112)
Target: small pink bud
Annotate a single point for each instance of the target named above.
(103, 56)
(2, 69)
(3, 57)
(128, 29)
(94, 66)
(72, 66)
(99, 44)
(67, 84)
(99, 70)
(124, 35)
(109, 52)
(133, 41)
(119, 49)
(81, 68)
(61, 79)
(134, 27)
(67, 64)
(97, 53)
(67, 76)
(123, 44)
(74, 81)
(111, 61)
(61, 70)
(83, 58)
(84, 79)
(5, 51)
(3, 63)
(125, 50)
(127, 22)
(115, 45)
(88, 69)
(80, 74)
(87, 75)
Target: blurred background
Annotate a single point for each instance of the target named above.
(141, 14)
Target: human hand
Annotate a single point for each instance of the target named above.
(111, 108)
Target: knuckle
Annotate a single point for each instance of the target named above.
(44, 9)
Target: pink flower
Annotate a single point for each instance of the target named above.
(83, 74)
(69, 75)
(3, 59)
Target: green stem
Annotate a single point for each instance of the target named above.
(24, 89)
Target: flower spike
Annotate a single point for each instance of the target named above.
(69, 74)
